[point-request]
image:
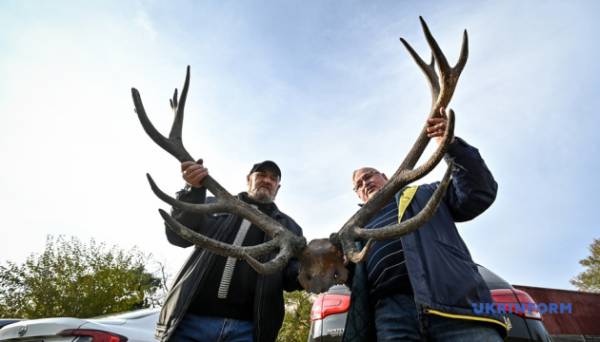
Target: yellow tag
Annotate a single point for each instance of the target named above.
(407, 196)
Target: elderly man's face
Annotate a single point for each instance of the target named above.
(367, 181)
(263, 186)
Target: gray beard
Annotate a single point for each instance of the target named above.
(261, 198)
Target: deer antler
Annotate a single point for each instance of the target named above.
(288, 243)
(441, 95)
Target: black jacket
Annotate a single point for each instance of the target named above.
(268, 301)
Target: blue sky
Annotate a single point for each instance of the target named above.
(321, 87)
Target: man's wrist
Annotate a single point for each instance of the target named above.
(191, 188)
(455, 145)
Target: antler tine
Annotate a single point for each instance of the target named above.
(449, 75)
(178, 107)
(206, 208)
(442, 62)
(173, 146)
(273, 265)
(428, 70)
(173, 101)
(464, 54)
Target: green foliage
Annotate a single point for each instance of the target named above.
(296, 323)
(70, 278)
(589, 280)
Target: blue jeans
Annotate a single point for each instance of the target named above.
(194, 328)
(396, 319)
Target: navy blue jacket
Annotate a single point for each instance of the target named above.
(443, 276)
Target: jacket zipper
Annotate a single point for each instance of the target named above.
(259, 304)
(464, 317)
(169, 326)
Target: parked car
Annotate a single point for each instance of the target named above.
(134, 326)
(7, 321)
(328, 314)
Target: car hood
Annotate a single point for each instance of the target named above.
(39, 327)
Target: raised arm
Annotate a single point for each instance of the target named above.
(473, 187)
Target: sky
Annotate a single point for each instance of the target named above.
(322, 88)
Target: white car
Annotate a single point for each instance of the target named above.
(133, 326)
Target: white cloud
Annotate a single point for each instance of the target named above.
(141, 19)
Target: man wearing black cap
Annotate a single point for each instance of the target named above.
(217, 298)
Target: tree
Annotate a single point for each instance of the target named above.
(296, 323)
(589, 280)
(70, 278)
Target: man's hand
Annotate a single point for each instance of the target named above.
(437, 126)
(194, 173)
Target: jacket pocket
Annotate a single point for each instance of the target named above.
(453, 275)
(459, 253)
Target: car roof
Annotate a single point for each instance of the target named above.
(493, 280)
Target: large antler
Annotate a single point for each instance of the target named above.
(288, 243)
(441, 93)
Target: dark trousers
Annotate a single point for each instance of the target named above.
(397, 319)
(194, 328)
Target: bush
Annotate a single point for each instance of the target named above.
(70, 278)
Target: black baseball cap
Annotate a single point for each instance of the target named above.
(266, 165)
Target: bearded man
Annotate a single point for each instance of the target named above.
(216, 298)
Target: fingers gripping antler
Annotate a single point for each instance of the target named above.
(282, 239)
(442, 88)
